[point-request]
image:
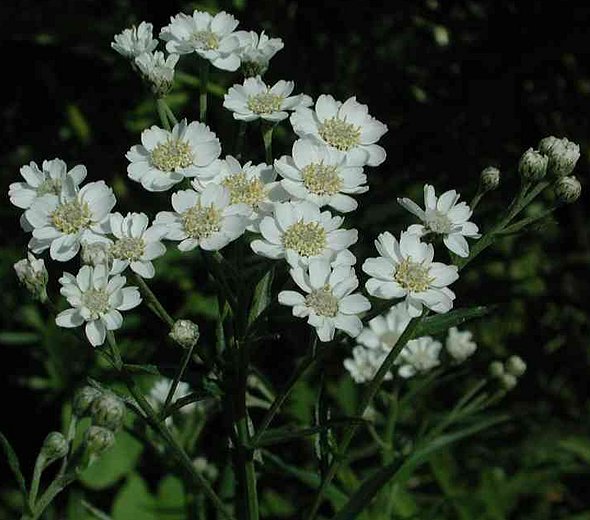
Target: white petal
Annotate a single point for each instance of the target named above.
(96, 332)
(69, 318)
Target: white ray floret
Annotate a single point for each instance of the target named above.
(364, 364)
(346, 126)
(322, 175)
(406, 269)
(460, 344)
(159, 393)
(255, 100)
(135, 41)
(328, 300)
(444, 216)
(61, 222)
(165, 158)
(135, 245)
(419, 356)
(299, 231)
(208, 220)
(96, 300)
(158, 70)
(257, 51)
(211, 37)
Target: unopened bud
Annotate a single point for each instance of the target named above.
(489, 178)
(251, 69)
(108, 411)
(496, 369)
(568, 189)
(185, 333)
(55, 446)
(32, 274)
(83, 400)
(546, 143)
(515, 366)
(508, 381)
(96, 253)
(99, 439)
(533, 165)
(563, 156)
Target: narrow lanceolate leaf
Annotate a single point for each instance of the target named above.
(398, 472)
(14, 465)
(440, 323)
(262, 296)
(142, 369)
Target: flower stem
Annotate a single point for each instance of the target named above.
(161, 105)
(267, 130)
(177, 379)
(240, 140)
(37, 472)
(204, 80)
(153, 302)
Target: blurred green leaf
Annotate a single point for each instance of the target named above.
(440, 323)
(14, 465)
(18, 338)
(133, 501)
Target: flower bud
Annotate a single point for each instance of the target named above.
(251, 69)
(533, 165)
(546, 143)
(496, 369)
(83, 400)
(205, 468)
(508, 381)
(185, 333)
(55, 446)
(32, 274)
(99, 439)
(563, 156)
(567, 189)
(108, 411)
(489, 178)
(515, 366)
(96, 253)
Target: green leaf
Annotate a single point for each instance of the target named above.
(262, 296)
(18, 338)
(433, 325)
(142, 369)
(579, 446)
(14, 465)
(134, 502)
(171, 499)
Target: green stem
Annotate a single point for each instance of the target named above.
(37, 472)
(169, 113)
(267, 130)
(161, 105)
(70, 438)
(204, 80)
(177, 378)
(240, 140)
(153, 302)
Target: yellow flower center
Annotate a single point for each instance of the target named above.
(206, 40)
(71, 217)
(200, 222)
(96, 301)
(323, 302)
(340, 134)
(171, 155)
(321, 179)
(244, 190)
(306, 238)
(413, 276)
(265, 103)
(128, 248)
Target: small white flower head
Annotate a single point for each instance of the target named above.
(185, 333)
(165, 158)
(496, 369)
(515, 366)
(208, 220)
(160, 390)
(256, 52)
(419, 356)
(346, 126)
(444, 216)
(460, 344)
(49, 179)
(255, 100)
(546, 143)
(364, 364)
(135, 244)
(563, 155)
(97, 253)
(135, 41)
(299, 231)
(61, 222)
(158, 70)
(205, 468)
(328, 301)
(532, 165)
(322, 175)
(489, 178)
(567, 189)
(406, 269)
(211, 37)
(96, 300)
(384, 331)
(31, 272)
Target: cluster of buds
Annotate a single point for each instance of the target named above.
(508, 372)
(31, 272)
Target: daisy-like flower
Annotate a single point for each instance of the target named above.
(96, 300)
(136, 245)
(418, 356)
(255, 100)
(211, 37)
(160, 390)
(208, 219)
(364, 364)
(328, 301)
(166, 158)
(158, 70)
(406, 269)
(444, 216)
(322, 175)
(61, 222)
(299, 231)
(347, 126)
(460, 344)
(257, 51)
(31, 272)
(135, 41)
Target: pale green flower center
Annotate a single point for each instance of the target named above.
(200, 222)
(340, 134)
(265, 103)
(96, 301)
(171, 155)
(323, 302)
(244, 190)
(413, 276)
(306, 238)
(71, 217)
(206, 40)
(128, 248)
(52, 186)
(438, 223)
(321, 179)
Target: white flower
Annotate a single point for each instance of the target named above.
(443, 216)
(96, 299)
(166, 158)
(158, 70)
(384, 331)
(298, 231)
(328, 302)
(346, 126)
(31, 272)
(160, 390)
(322, 175)
(254, 100)
(135, 41)
(364, 364)
(206, 219)
(38, 182)
(136, 245)
(419, 355)
(211, 37)
(459, 344)
(257, 51)
(62, 222)
(405, 270)
(96, 253)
